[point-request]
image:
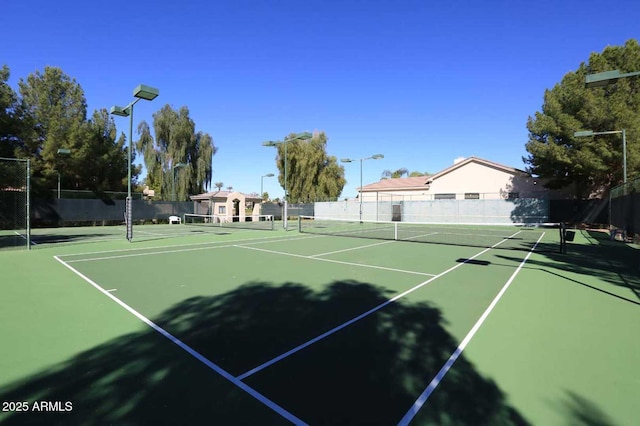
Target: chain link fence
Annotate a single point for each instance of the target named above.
(14, 204)
(625, 208)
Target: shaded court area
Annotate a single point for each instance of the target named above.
(277, 328)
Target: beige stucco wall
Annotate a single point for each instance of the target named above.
(477, 178)
(489, 182)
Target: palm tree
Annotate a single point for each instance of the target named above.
(218, 185)
(395, 174)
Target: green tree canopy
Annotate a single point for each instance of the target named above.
(588, 164)
(103, 159)
(178, 156)
(8, 119)
(312, 175)
(51, 114)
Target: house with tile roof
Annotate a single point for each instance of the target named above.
(469, 178)
(227, 203)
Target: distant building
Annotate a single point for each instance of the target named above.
(228, 204)
(469, 178)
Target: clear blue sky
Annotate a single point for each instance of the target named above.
(422, 82)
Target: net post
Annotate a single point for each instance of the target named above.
(129, 221)
(300, 223)
(395, 231)
(28, 207)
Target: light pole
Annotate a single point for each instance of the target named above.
(63, 151)
(585, 133)
(297, 136)
(140, 92)
(605, 78)
(350, 160)
(177, 166)
(261, 181)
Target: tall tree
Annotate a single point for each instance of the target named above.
(53, 113)
(177, 152)
(103, 159)
(312, 175)
(8, 115)
(588, 164)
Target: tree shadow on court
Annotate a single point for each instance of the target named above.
(613, 262)
(370, 372)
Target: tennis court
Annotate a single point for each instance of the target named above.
(236, 326)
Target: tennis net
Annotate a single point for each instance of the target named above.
(262, 222)
(503, 236)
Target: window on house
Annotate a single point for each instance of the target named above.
(471, 196)
(445, 196)
(222, 209)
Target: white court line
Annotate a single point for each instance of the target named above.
(152, 253)
(272, 405)
(424, 396)
(25, 238)
(359, 317)
(320, 259)
(419, 236)
(208, 243)
(352, 248)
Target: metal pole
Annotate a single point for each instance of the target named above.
(28, 205)
(361, 160)
(58, 185)
(129, 151)
(129, 202)
(173, 189)
(624, 154)
(286, 198)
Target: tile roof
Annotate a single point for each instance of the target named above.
(418, 182)
(222, 195)
(421, 182)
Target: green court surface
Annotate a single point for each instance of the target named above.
(237, 327)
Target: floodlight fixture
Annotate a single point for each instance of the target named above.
(605, 78)
(119, 111)
(147, 93)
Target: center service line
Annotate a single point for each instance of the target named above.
(456, 354)
(363, 315)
